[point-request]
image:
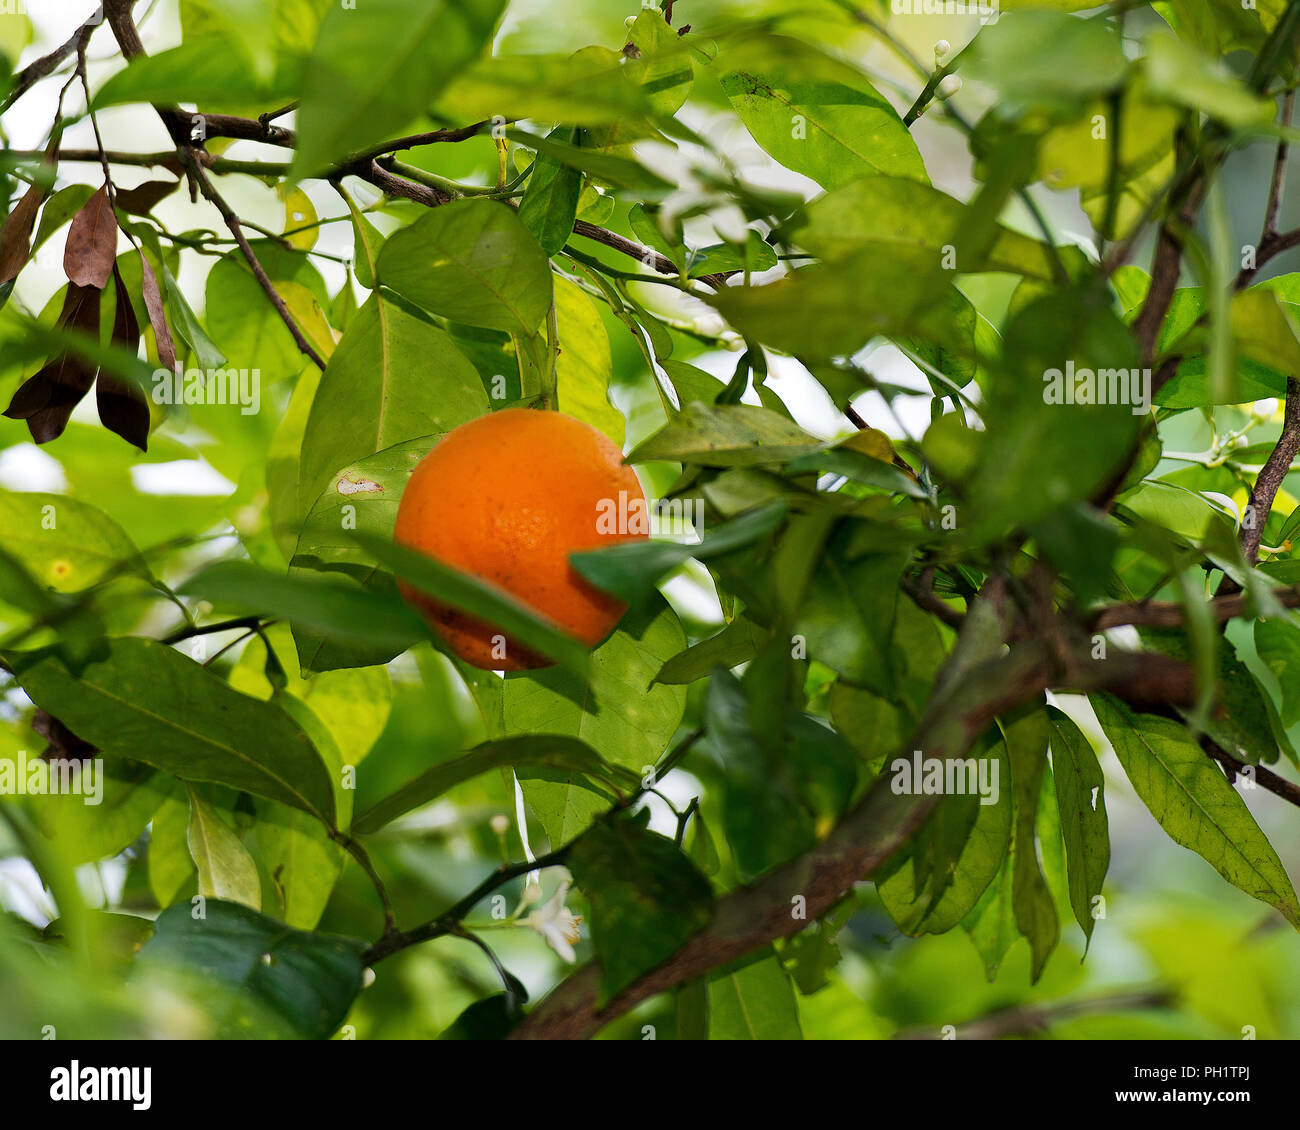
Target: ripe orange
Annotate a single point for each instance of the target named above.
(507, 497)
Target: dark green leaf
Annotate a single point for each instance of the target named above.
(647, 899)
(255, 976)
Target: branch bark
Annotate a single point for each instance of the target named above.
(1269, 480)
(259, 272)
(1170, 614)
(759, 913)
(1023, 1020)
(46, 65)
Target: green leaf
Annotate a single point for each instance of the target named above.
(226, 870)
(492, 1018)
(375, 69)
(143, 700)
(393, 378)
(529, 751)
(1068, 450)
(66, 544)
(471, 261)
(886, 213)
(185, 322)
(815, 115)
(1046, 59)
(170, 865)
(632, 569)
(333, 606)
(834, 308)
(365, 497)
(1241, 719)
(300, 860)
(367, 243)
(764, 819)
(753, 999)
(608, 168)
(200, 71)
(950, 863)
(353, 706)
(88, 832)
(647, 899)
(847, 615)
(663, 67)
(586, 88)
(1194, 803)
(585, 366)
(1027, 736)
(256, 977)
(860, 467)
(1177, 72)
(1278, 644)
(728, 435)
(617, 711)
(244, 325)
(992, 924)
(737, 643)
(754, 256)
(481, 599)
(550, 204)
(1081, 801)
(59, 209)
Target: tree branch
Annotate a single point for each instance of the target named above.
(1171, 614)
(1276, 468)
(449, 922)
(1265, 778)
(46, 65)
(1031, 1019)
(759, 913)
(236, 229)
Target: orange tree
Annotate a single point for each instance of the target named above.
(848, 678)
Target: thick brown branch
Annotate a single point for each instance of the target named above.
(755, 915)
(1170, 614)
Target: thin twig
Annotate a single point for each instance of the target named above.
(1028, 1019)
(1263, 777)
(359, 853)
(211, 629)
(1269, 480)
(236, 229)
(46, 65)
(450, 919)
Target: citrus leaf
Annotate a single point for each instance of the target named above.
(1194, 803)
(143, 700)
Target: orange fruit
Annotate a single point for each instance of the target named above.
(506, 498)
